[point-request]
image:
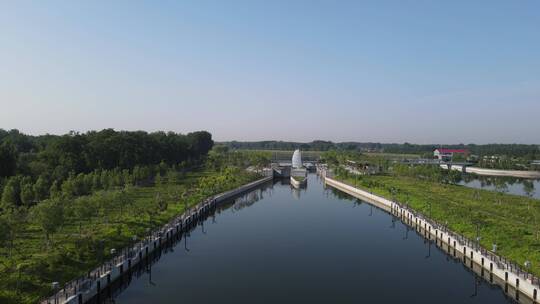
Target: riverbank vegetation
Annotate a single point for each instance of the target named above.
(509, 221)
(68, 200)
(299, 178)
(513, 150)
(494, 156)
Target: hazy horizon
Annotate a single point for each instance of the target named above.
(282, 140)
(375, 71)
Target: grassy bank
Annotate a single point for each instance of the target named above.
(286, 154)
(512, 222)
(112, 219)
(299, 178)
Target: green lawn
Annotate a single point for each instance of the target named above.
(287, 154)
(79, 246)
(510, 221)
(299, 178)
(391, 155)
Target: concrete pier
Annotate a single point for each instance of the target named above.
(297, 184)
(506, 273)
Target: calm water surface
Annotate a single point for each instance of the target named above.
(523, 187)
(278, 245)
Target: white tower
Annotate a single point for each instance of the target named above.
(297, 159)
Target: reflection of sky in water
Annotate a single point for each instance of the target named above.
(324, 247)
(297, 192)
(508, 185)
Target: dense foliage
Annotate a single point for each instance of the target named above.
(510, 221)
(527, 152)
(106, 149)
(317, 145)
(221, 155)
(70, 199)
(65, 236)
(33, 167)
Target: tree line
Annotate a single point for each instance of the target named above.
(33, 168)
(528, 152)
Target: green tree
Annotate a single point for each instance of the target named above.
(8, 160)
(117, 180)
(122, 199)
(69, 187)
(127, 178)
(104, 203)
(152, 209)
(41, 188)
(162, 167)
(158, 180)
(84, 210)
(11, 225)
(6, 235)
(96, 181)
(105, 180)
(160, 203)
(11, 194)
(54, 191)
(27, 194)
(528, 187)
(138, 175)
(172, 178)
(49, 216)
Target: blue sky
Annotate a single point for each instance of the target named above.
(387, 71)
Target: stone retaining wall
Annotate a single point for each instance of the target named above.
(86, 289)
(469, 250)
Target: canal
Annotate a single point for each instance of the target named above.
(317, 245)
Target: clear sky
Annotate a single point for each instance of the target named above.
(386, 71)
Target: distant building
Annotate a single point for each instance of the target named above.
(448, 154)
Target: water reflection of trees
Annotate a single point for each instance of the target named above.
(344, 196)
(501, 183)
(528, 188)
(248, 199)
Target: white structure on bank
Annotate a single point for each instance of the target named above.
(297, 159)
(298, 172)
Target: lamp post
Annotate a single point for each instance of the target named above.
(478, 238)
(527, 265)
(55, 286)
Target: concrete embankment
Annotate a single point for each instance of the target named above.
(507, 274)
(495, 172)
(99, 283)
(229, 194)
(296, 183)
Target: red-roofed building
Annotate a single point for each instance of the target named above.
(448, 154)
